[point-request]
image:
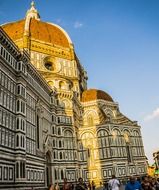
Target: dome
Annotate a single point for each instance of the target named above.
(37, 30)
(94, 94)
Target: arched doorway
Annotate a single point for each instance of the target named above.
(48, 169)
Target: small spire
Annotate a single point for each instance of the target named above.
(32, 4)
(32, 12)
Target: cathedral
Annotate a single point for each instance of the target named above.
(51, 125)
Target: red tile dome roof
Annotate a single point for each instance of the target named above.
(94, 94)
(39, 30)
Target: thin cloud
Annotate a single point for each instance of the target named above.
(78, 24)
(153, 115)
(58, 20)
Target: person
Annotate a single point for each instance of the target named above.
(93, 185)
(133, 184)
(66, 185)
(56, 186)
(89, 185)
(113, 184)
(157, 184)
(81, 185)
(51, 187)
(153, 183)
(105, 185)
(100, 187)
(146, 183)
(71, 186)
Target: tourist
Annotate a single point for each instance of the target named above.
(51, 187)
(133, 184)
(100, 187)
(105, 185)
(113, 184)
(157, 184)
(81, 185)
(56, 187)
(66, 185)
(93, 185)
(146, 183)
(89, 186)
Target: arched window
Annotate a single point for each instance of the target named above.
(116, 137)
(17, 170)
(49, 66)
(51, 83)
(136, 138)
(88, 152)
(18, 105)
(128, 153)
(103, 144)
(55, 174)
(126, 136)
(60, 145)
(60, 155)
(68, 144)
(21, 141)
(17, 123)
(68, 139)
(24, 170)
(59, 131)
(90, 120)
(18, 89)
(53, 131)
(17, 140)
(38, 131)
(21, 169)
(53, 142)
(54, 155)
(89, 144)
(61, 85)
(109, 118)
(62, 176)
(127, 144)
(23, 125)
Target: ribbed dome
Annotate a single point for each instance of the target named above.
(38, 30)
(94, 94)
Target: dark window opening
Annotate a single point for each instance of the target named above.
(60, 155)
(18, 123)
(37, 125)
(55, 174)
(18, 105)
(128, 153)
(49, 66)
(62, 176)
(17, 140)
(17, 170)
(21, 169)
(59, 131)
(60, 145)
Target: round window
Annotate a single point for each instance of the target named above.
(49, 66)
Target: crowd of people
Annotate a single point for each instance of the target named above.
(81, 185)
(134, 183)
(144, 183)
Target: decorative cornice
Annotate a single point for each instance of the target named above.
(8, 43)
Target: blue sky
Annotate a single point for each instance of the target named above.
(117, 42)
